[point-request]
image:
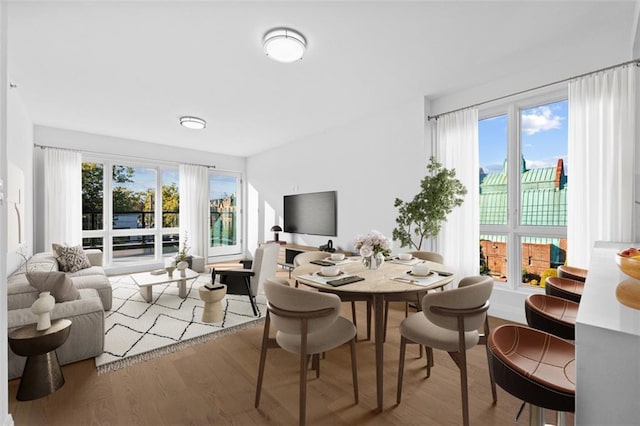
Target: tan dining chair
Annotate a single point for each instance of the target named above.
(308, 256)
(308, 323)
(450, 321)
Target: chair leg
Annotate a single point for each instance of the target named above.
(403, 348)
(354, 369)
(429, 352)
(464, 388)
(303, 388)
(316, 364)
(263, 358)
(252, 299)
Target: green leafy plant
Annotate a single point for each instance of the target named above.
(422, 217)
(183, 254)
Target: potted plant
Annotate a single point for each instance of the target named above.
(422, 217)
(183, 253)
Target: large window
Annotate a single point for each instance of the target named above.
(130, 211)
(523, 189)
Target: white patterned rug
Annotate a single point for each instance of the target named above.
(136, 330)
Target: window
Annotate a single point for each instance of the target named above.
(523, 189)
(224, 193)
(129, 210)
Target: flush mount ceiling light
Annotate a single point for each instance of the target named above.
(284, 45)
(194, 123)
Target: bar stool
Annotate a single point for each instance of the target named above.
(534, 366)
(564, 288)
(572, 273)
(552, 314)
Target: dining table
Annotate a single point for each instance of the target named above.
(393, 280)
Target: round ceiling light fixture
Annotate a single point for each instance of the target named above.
(284, 45)
(193, 123)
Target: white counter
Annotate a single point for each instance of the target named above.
(607, 346)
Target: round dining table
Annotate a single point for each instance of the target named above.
(392, 281)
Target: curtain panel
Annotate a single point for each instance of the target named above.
(194, 209)
(62, 197)
(457, 148)
(602, 143)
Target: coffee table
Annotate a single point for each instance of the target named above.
(146, 280)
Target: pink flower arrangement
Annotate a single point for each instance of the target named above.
(373, 243)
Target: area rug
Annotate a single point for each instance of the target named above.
(136, 331)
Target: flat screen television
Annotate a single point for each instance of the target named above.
(313, 213)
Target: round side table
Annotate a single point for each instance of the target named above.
(42, 374)
(212, 302)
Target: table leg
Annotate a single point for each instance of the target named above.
(378, 315)
(145, 292)
(182, 288)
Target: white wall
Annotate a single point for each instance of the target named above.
(20, 153)
(5, 417)
(92, 143)
(369, 162)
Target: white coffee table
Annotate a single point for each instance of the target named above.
(146, 280)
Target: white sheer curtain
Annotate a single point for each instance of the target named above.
(457, 148)
(62, 197)
(194, 208)
(602, 140)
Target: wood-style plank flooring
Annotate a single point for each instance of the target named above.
(214, 383)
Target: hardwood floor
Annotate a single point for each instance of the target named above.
(214, 383)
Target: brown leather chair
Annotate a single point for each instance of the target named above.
(534, 366)
(564, 288)
(572, 273)
(552, 314)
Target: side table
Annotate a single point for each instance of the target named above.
(212, 302)
(42, 374)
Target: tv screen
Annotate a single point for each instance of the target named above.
(314, 213)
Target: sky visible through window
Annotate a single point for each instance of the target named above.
(544, 137)
(145, 178)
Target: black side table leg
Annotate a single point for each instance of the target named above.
(41, 376)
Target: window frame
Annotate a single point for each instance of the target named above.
(514, 229)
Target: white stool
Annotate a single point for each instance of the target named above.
(212, 302)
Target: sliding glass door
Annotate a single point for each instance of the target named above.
(224, 213)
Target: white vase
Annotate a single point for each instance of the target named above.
(42, 308)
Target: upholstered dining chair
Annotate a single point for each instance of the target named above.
(248, 281)
(450, 321)
(308, 323)
(309, 256)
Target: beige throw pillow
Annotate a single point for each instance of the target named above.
(71, 259)
(56, 282)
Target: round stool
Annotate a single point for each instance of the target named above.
(212, 298)
(572, 273)
(552, 314)
(534, 366)
(564, 288)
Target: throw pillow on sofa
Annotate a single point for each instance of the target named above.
(57, 283)
(71, 259)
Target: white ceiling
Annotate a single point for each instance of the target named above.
(130, 69)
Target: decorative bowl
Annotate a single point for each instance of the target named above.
(170, 270)
(405, 256)
(329, 271)
(420, 270)
(337, 256)
(629, 265)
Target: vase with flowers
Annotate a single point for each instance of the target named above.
(183, 253)
(373, 248)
